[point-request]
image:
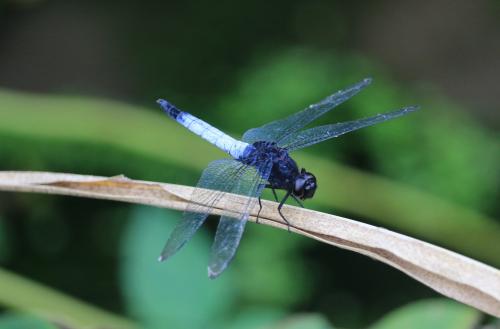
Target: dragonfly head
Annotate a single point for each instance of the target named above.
(305, 185)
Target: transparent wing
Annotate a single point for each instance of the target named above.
(280, 129)
(230, 230)
(318, 134)
(220, 175)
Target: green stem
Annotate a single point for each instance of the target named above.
(19, 293)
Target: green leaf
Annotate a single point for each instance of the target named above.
(269, 318)
(23, 294)
(435, 313)
(255, 317)
(262, 247)
(303, 321)
(176, 293)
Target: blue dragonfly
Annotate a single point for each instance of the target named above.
(261, 159)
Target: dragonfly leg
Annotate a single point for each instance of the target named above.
(281, 205)
(258, 213)
(274, 193)
(297, 200)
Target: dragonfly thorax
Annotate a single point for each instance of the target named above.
(285, 174)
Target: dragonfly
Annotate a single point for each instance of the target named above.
(261, 159)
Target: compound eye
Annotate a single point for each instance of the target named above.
(309, 189)
(309, 186)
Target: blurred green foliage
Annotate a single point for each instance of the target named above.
(13, 321)
(302, 321)
(21, 294)
(177, 292)
(159, 293)
(264, 247)
(444, 152)
(438, 313)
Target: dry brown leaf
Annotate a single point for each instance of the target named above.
(453, 275)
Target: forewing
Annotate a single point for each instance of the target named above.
(280, 129)
(219, 177)
(230, 230)
(318, 134)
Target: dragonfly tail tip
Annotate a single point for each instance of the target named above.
(211, 274)
(162, 258)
